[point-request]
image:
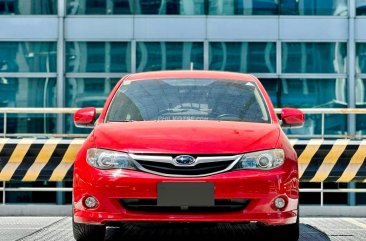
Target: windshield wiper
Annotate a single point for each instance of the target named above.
(121, 120)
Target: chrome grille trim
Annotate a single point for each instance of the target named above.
(169, 159)
(206, 159)
(152, 158)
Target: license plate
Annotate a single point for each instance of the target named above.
(186, 194)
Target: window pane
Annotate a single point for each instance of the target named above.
(319, 93)
(360, 7)
(99, 7)
(361, 58)
(169, 55)
(98, 57)
(180, 7)
(314, 7)
(28, 7)
(243, 57)
(243, 7)
(286, 92)
(163, 7)
(360, 92)
(20, 92)
(28, 57)
(361, 103)
(86, 92)
(314, 57)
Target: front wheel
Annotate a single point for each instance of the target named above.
(88, 232)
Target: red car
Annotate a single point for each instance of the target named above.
(186, 146)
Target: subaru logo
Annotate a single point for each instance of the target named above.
(184, 160)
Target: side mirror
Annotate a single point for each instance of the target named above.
(85, 117)
(292, 117)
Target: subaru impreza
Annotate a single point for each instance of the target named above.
(186, 146)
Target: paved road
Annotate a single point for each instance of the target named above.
(59, 228)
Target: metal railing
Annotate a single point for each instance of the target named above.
(5, 189)
(69, 111)
(323, 112)
(64, 111)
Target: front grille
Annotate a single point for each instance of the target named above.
(150, 205)
(199, 169)
(165, 165)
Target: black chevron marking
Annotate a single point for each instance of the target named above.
(342, 162)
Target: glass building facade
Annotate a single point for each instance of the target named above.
(70, 53)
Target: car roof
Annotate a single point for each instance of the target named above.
(200, 74)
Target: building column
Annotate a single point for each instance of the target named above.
(60, 86)
(351, 57)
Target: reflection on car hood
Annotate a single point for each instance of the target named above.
(188, 137)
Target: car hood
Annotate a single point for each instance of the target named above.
(186, 137)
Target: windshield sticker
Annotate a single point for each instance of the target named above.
(177, 117)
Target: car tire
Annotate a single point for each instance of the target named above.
(87, 232)
(288, 232)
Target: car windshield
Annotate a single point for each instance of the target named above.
(188, 99)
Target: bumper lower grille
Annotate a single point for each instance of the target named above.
(150, 205)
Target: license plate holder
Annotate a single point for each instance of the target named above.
(186, 194)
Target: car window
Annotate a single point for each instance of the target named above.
(188, 99)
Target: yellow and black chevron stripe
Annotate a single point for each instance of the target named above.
(31, 159)
(341, 160)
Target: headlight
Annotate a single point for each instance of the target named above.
(263, 160)
(104, 159)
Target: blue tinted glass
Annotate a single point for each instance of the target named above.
(243, 7)
(169, 55)
(188, 99)
(243, 57)
(360, 93)
(333, 125)
(361, 58)
(156, 7)
(314, 57)
(360, 7)
(308, 93)
(361, 103)
(20, 92)
(98, 57)
(99, 7)
(314, 7)
(84, 92)
(166, 7)
(28, 57)
(27, 7)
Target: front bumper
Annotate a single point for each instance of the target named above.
(259, 187)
